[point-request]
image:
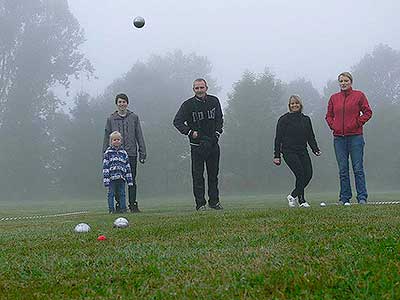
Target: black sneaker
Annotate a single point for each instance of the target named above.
(216, 206)
(201, 208)
(135, 209)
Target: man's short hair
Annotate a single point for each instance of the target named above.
(200, 80)
(121, 96)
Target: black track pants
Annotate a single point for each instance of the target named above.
(212, 166)
(300, 165)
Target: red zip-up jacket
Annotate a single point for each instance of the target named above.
(347, 112)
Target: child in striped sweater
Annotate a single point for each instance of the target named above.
(116, 171)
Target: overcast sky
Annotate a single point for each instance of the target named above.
(314, 39)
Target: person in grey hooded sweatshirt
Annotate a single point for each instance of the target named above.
(127, 123)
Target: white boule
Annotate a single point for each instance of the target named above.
(322, 204)
(82, 227)
(121, 223)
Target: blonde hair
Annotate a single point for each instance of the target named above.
(346, 74)
(298, 99)
(114, 134)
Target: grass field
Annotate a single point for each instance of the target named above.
(256, 248)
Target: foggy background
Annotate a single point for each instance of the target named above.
(311, 39)
(63, 62)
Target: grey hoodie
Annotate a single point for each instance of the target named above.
(131, 131)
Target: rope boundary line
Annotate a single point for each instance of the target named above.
(43, 216)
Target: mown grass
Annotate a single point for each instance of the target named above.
(255, 249)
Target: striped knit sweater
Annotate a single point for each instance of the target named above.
(116, 166)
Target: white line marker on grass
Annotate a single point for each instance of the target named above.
(44, 216)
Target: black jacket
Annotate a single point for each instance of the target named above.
(204, 116)
(293, 132)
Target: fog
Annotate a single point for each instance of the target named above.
(254, 55)
(311, 39)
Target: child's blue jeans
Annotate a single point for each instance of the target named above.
(117, 187)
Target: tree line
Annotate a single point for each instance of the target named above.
(46, 151)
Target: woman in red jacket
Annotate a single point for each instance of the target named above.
(347, 112)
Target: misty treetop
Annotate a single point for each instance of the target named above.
(38, 49)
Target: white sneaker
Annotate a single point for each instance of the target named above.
(291, 201)
(347, 204)
(304, 204)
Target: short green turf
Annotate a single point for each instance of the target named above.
(256, 248)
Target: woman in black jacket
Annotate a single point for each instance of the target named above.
(293, 132)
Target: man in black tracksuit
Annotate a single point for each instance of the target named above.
(200, 118)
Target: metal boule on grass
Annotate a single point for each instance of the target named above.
(82, 227)
(121, 223)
